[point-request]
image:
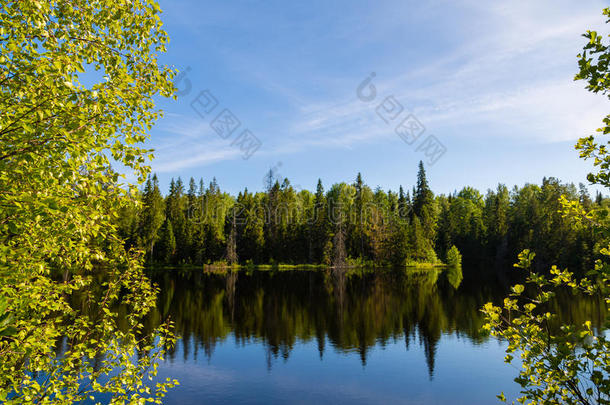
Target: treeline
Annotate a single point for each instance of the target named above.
(352, 223)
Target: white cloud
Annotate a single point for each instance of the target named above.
(189, 142)
(510, 76)
(514, 79)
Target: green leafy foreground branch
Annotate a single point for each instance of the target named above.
(570, 363)
(64, 273)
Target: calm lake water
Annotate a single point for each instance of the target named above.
(357, 337)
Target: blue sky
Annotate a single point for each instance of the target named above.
(491, 81)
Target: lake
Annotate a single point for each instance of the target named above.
(328, 336)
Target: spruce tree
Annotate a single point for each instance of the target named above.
(358, 185)
(319, 224)
(151, 217)
(424, 205)
(167, 243)
(176, 212)
(423, 196)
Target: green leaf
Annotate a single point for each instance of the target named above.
(518, 288)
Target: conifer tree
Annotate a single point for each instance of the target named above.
(167, 243)
(423, 196)
(424, 205)
(359, 206)
(152, 216)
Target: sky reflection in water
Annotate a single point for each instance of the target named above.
(327, 337)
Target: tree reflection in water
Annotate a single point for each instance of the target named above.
(348, 310)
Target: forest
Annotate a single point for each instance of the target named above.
(352, 223)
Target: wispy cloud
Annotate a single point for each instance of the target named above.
(507, 73)
(514, 81)
(186, 142)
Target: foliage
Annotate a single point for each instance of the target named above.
(454, 258)
(594, 68)
(77, 81)
(571, 363)
(151, 216)
(349, 223)
(283, 225)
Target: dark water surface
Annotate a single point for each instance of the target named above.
(357, 337)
